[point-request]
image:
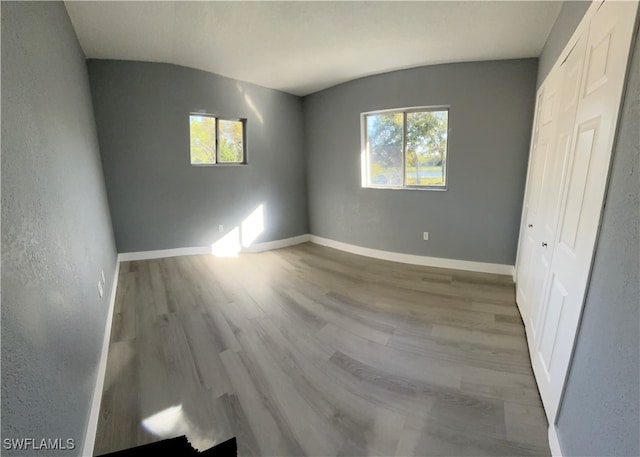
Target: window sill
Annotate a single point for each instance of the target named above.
(219, 164)
(437, 189)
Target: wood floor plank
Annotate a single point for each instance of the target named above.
(485, 338)
(514, 387)
(372, 331)
(311, 351)
(178, 358)
(273, 436)
(309, 428)
(158, 287)
(206, 348)
(124, 313)
(438, 439)
(240, 427)
(463, 352)
(118, 420)
(333, 397)
(219, 329)
(384, 319)
(391, 360)
(496, 308)
(525, 423)
(156, 391)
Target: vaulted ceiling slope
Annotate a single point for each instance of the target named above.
(304, 47)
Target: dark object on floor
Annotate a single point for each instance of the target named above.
(178, 447)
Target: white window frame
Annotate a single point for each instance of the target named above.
(218, 163)
(364, 150)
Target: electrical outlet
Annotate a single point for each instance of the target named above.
(102, 276)
(221, 228)
(100, 289)
(425, 236)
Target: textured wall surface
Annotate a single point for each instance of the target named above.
(56, 231)
(478, 217)
(600, 411)
(157, 199)
(568, 19)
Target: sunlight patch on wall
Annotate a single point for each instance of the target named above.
(252, 226)
(253, 108)
(228, 245)
(241, 236)
(250, 104)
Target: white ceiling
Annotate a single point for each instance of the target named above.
(303, 47)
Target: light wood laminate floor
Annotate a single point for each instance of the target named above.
(312, 351)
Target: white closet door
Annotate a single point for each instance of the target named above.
(529, 278)
(552, 182)
(598, 102)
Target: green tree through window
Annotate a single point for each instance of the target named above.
(216, 141)
(406, 148)
(231, 144)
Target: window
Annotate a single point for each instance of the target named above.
(405, 148)
(217, 141)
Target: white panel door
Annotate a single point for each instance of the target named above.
(552, 182)
(607, 50)
(528, 278)
(552, 139)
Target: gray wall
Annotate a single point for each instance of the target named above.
(600, 411)
(56, 231)
(568, 19)
(478, 217)
(157, 199)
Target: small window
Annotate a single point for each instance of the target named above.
(217, 141)
(405, 148)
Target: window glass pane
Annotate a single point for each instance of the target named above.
(426, 156)
(202, 131)
(384, 144)
(230, 138)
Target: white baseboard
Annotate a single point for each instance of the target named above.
(205, 250)
(163, 253)
(415, 259)
(278, 244)
(92, 425)
(554, 442)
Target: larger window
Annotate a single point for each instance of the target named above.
(217, 141)
(405, 148)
